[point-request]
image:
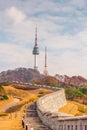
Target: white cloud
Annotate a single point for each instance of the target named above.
(15, 14)
(77, 2)
(15, 56)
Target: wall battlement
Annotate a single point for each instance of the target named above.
(47, 109)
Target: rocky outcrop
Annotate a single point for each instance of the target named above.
(76, 81)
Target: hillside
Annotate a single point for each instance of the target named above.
(74, 108)
(60, 80)
(47, 80)
(75, 81)
(28, 75)
(2, 91)
(20, 75)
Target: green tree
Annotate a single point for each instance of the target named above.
(78, 93)
(83, 90)
(73, 93)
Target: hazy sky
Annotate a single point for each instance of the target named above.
(62, 27)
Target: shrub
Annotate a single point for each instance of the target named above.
(42, 91)
(81, 109)
(3, 114)
(83, 90)
(2, 91)
(33, 98)
(5, 97)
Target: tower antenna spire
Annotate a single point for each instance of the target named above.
(35, 51)
(36, 36)
(45, 57)
(45, 67)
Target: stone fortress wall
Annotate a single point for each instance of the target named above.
(47, 109)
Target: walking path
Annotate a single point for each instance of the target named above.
(14, 102)
(14, 120)
(33, 120)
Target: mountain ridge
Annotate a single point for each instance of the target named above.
(27, 75)
(19, 74)
(76, 81)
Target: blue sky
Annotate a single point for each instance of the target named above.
(62, 27)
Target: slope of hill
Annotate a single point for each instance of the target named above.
(47, 80)
(27, 75)
(60, 80)
(76, 81)
(19, 74)
(2, 91)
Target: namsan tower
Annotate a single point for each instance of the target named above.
(45, 66)
(35, 51)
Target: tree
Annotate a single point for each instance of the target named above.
(73, 93)
(83, 90)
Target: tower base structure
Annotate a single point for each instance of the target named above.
(45, 72)
(35, 68)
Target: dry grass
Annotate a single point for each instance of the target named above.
(44, 92)
(22, 103)
(4, 102)
(74, 108)
(3, 114)
(69, 108)
(12, 123)
(15, 92)
(81, 108)
(26, 96)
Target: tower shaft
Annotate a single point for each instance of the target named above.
(45, 67)
(35, 62)
(45, 57)
(36, 37)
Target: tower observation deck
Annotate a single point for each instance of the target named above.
(35, 51)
